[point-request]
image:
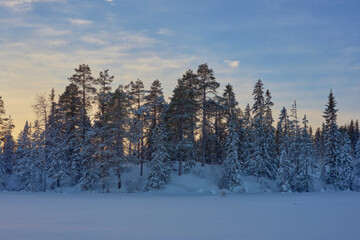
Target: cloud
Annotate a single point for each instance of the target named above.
(232, 64)
(163, 31)
(78, 21)
(93, 40)
(48, 31)
(23, 5)
(109, 1)
(47, 58)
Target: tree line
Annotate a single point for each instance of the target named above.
(137, 126)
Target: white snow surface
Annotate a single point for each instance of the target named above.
(190, 207)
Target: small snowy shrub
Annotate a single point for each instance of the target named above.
(132, 186)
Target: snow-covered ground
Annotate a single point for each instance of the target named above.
(190, 207)
(334, 215)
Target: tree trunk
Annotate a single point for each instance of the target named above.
(119, 179)
(203, 131)
(181, 152)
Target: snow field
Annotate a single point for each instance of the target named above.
(331, 215)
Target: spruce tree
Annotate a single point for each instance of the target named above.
(41, 107)
(303, 180)
(345, 165)
(58, 165)
(351, 131)
(262, 162)
(357, 164)
(246, 162)
(228, 110)
(159, 164)
(285, 171)
(25, 169)
(9, 148)
(332, 147)
(269, 141)
(38, 157)
(319, 147)
(295, 148)
(2, 174)
(230, 177)
(4, 138)
(3, 119)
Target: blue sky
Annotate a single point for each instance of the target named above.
(300, 49)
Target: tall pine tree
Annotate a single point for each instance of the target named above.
(207, 85)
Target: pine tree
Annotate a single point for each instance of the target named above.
(117, 119)
(103, 96)
(180, 121)
(84, 81)
(69, 106)
(154, 102)
(101, 141)
(139, 113)
(207, 85)
(231, 167)
(214, 131)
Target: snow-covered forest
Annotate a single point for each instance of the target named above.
(136, 128)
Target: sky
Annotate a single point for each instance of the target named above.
(299, 49)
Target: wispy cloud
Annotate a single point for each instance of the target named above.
(352, 50)
(232, 64)
(93, 40)
(78, 21)
(23, 5)
(48, 31)
(163, 31)
(128, 55)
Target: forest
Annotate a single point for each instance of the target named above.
(134, 126)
